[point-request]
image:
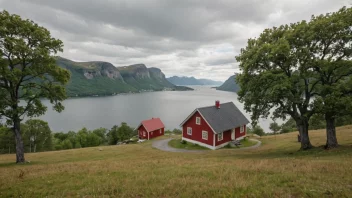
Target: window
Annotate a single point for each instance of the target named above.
(160, 131)
(143, 133)
(151, 133)
(242, 129)
(198, 120)
(220, 136)
(189, 131)
(205, 135)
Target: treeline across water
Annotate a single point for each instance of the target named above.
(38, 137)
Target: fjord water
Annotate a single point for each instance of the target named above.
(171, 106)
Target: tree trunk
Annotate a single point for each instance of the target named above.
(303, 131)
(19, 142)
(331, 140)
(35, 148)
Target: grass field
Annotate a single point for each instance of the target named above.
(276, 169)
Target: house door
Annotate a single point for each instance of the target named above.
(233, 135)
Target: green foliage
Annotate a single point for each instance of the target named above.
(258, 130)
(66, 144)
(274, 127)
(288, 126)
(124, 132)
(119, 134)
(28, 73)
(37, 136)
(7, 140)
(28, 69)
(299, 70)
(317, 122)
(177, 131)
(112, 135)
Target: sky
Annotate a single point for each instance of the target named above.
(197, 38)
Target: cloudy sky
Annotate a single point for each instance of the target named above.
(182, 37)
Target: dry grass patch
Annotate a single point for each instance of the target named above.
(276, 169)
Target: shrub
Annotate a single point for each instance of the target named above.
(183, 142)
(258, 130)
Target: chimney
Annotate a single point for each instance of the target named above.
(217, 104)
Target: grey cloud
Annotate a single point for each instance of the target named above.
(184, 37)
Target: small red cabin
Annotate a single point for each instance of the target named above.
(150, 128)
(214, 126)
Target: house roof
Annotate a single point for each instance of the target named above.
(223, 119)
(152, 124)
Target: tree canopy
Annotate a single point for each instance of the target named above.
(28, 73)
(288, 69)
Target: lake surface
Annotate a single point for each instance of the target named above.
(171, 106)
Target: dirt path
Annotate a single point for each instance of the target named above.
(164, 146)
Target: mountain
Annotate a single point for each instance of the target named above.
(209, 82)
(229, 85)
(103, 78)
(191, 81)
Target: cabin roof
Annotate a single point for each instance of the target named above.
(152, 124)
(227, 117)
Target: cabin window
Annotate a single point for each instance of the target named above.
(143, 133)
(160, 131)
(198, 120)
(189, 131)
(242, 129)
(205, 135)
(220, 137)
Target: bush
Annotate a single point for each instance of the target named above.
(183, 142)
(177, 131)
(258, 130)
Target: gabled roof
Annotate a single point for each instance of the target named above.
(152, 124)
(223, 119)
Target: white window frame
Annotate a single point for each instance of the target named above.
(242, 129)
(204, 132)
(189, 130)
(144, 133)
(220, 135)
(160, 131)
(198, 120)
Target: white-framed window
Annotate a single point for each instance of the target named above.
(242, 129)
(220, 137)
(189, 131)
(198, 120)
(160, 131)
(143, 133)
(205, 135)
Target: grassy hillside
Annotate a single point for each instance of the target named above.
(276, 169)
(229, 85)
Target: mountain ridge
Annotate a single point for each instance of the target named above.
(103, 78)
(229, 85)
(184, 80)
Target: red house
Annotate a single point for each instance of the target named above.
(214, 126)
(148, 129)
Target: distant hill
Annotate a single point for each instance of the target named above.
(103, 78)
(229, 85)
(191, 81)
